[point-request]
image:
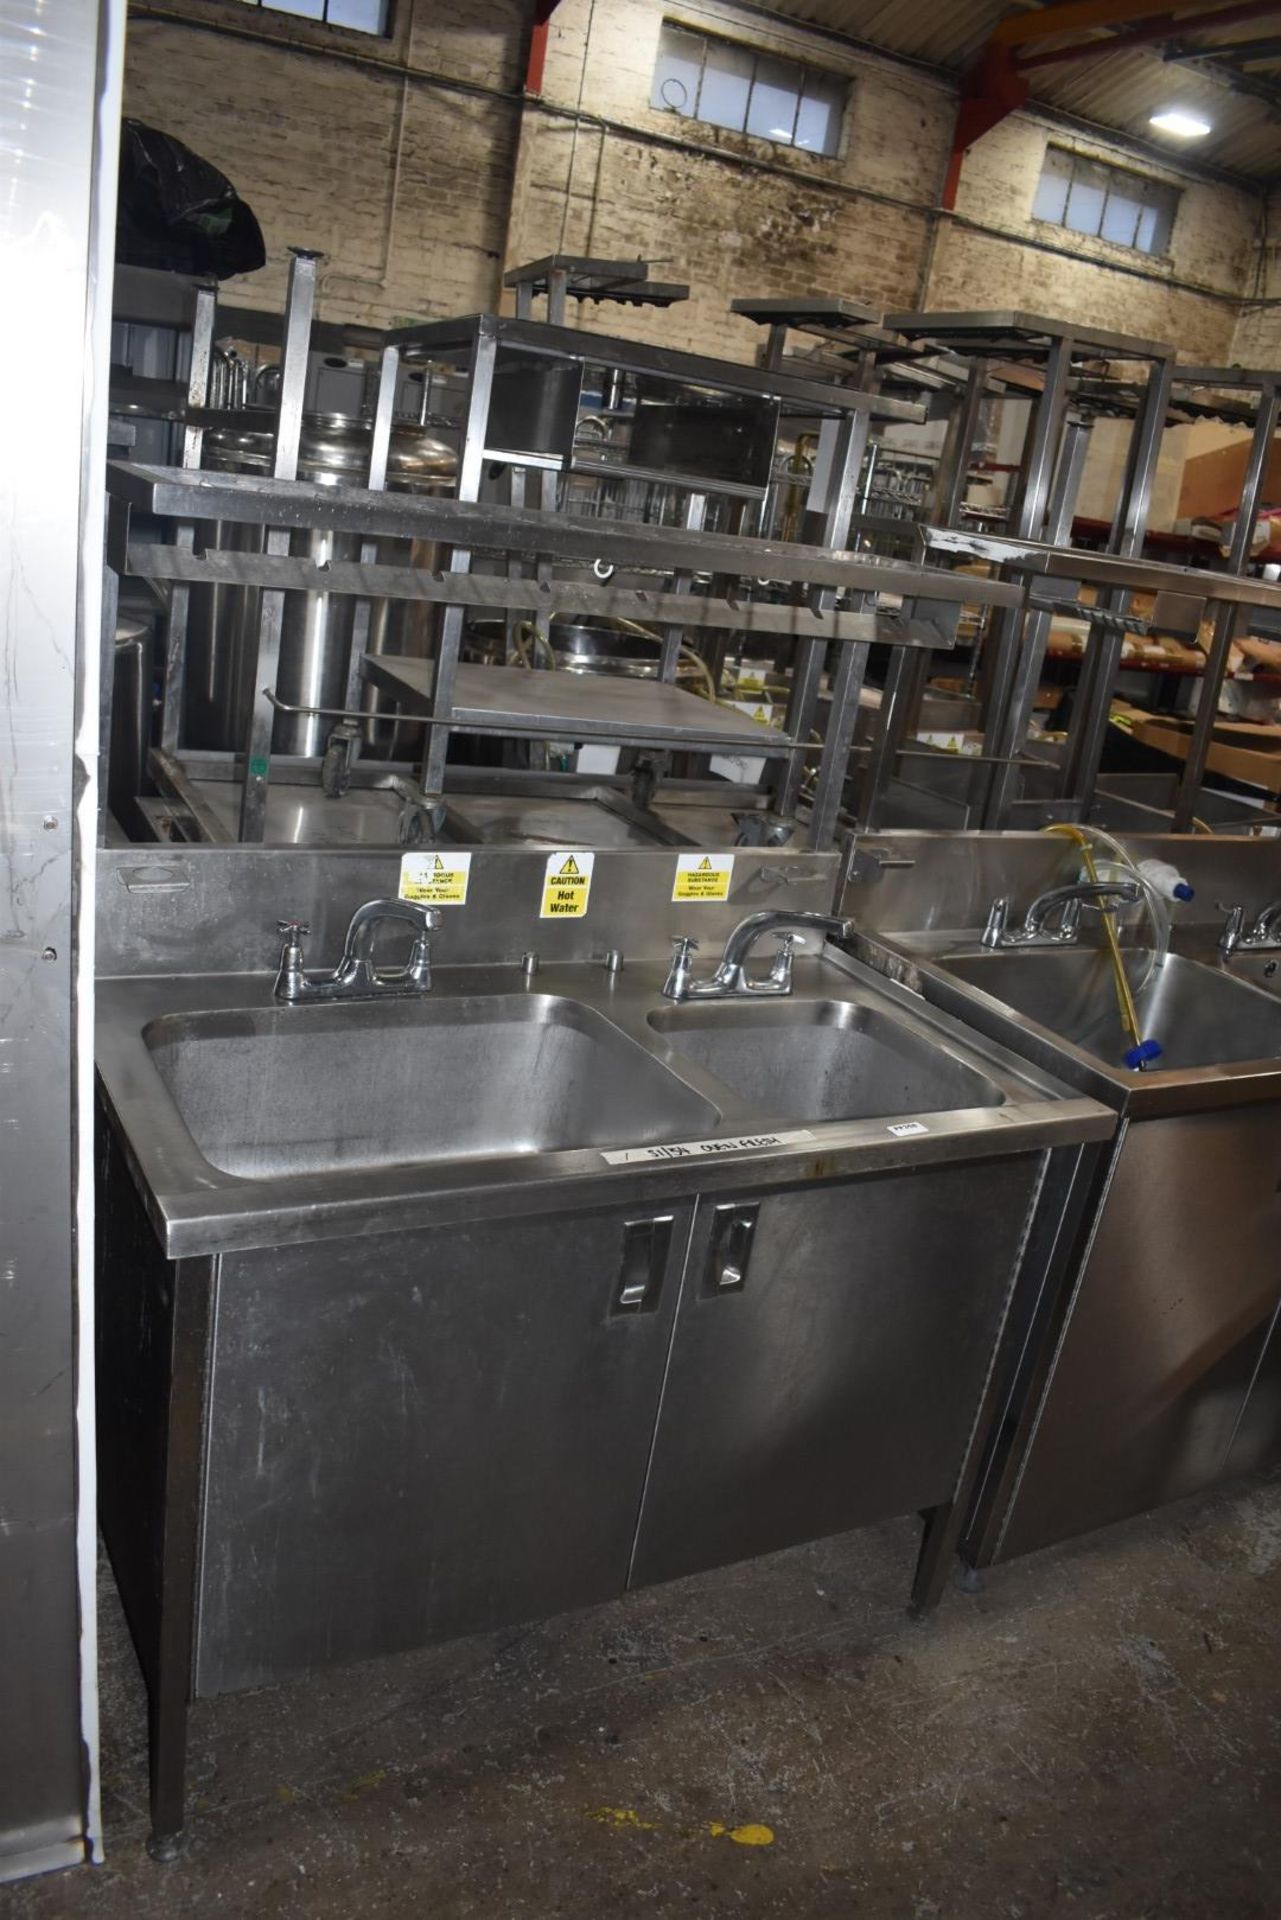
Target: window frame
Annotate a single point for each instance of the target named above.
(273, 9)
(801, 73)
(1118, 185)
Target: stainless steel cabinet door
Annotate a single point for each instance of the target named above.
(830, 1350)
(427, 1434)
(1169, 1322)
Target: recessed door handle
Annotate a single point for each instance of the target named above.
(640, 1276)
(733, 1230)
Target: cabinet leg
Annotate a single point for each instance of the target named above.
(938, 1544)
(168, 1758)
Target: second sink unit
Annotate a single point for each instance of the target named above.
(1151, 1367)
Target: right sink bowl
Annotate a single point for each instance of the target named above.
(803, 1060)
(1201, 1015)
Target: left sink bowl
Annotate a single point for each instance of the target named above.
(271, 1092)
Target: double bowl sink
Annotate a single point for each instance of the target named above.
(250, 1121)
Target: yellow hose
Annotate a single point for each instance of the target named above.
(1124, 997)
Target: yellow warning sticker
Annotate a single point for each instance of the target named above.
(703, 876)
(567, 882)
(435, 879)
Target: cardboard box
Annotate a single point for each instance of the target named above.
(1238, 750)
(1212, 482)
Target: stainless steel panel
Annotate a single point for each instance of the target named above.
(59, 107)
(838, 1382)
(1256, 1444)
(1168, 1324)
(422, 1435)
(214, 909)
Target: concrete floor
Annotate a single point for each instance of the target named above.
(1095, 1734)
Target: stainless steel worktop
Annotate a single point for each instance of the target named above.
(252, 1124)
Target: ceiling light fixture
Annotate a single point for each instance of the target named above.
(1188, 126)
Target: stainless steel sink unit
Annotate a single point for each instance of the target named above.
(1200, 1015)
(1151, 1362)
(421, 1316)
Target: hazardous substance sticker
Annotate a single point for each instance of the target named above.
(435, 879)
(703, 876)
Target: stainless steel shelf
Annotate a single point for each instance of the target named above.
(1105, 570)
(1014, 332)
(189, 494)
(574, 706)
(447, 339)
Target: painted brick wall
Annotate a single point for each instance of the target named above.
(404, 184)
(414, 164)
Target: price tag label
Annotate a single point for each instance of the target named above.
(435, 879)
(567, 884)
(703, 876)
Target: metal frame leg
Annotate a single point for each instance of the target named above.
(202, 333)
(834, 764)
(1006, 778)
(833, 490)
(170, 1683)
(293, 379)
(674, 637)
(375, 480)
(1039, 467)
(1225, 619)
(906, 679)
(475, 430)
(1103, 660)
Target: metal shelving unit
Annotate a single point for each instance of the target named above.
(516, 387)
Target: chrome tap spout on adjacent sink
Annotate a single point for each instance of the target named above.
(731, 980)
(1054, 917)
(356, 977)
(1263, 937)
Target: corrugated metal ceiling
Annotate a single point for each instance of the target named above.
(1115, 90)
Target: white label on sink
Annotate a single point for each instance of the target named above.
(902, 1127)
(567, 883)
(435, 879)
(708, 1149)
(703, 876)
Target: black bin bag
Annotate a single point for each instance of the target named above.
(178, 212)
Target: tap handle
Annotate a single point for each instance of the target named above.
(997, 915)
(685, 944)
(293, 929)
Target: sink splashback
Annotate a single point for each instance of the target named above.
(214, 909)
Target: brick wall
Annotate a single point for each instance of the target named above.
(394, 158)
(416, 166)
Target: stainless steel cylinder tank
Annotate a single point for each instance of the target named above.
(315, 641)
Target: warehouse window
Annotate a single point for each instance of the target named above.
(358, 16)
(1110, 203)
(731, 86)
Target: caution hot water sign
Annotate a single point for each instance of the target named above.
(703, 876)
(567, 883)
